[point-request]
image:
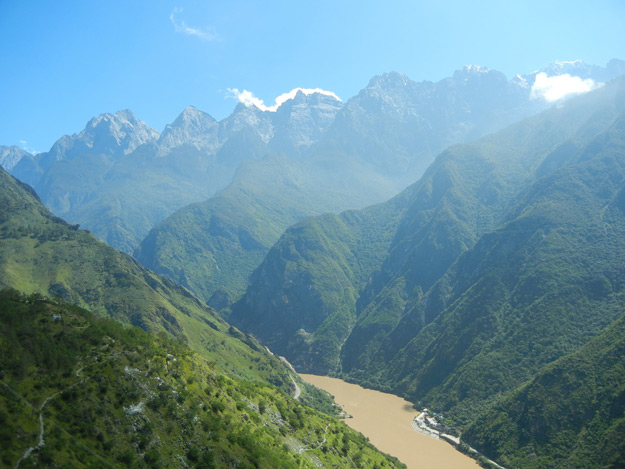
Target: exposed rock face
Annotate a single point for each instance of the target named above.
(302, 121)
(191, 127)
(579, 68)
(412, 122)
(11, 156)
(323, 299)
(113, 135)
(248, 117)
(296, 124)
(76, 166)
(339, 156)
(119, 177)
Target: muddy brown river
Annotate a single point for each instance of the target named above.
(385, 419)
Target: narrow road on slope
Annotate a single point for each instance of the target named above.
(298, 391)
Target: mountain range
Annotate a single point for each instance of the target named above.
(43, 254)
(490, 290)
(119, 178)
(379, 142)
(504, 257)
(185, 389)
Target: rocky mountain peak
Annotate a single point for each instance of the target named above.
(192, 116)
(474, 69)
(310, 103)
(312, 98)
(577, 68)
(563, 78)
(302, 119)
(392, 94)
(193, 127)
(108, 134)
(469, 72)
(11, 156)
(477, 74)
(123, 126)
(250, 117)
(389, 80)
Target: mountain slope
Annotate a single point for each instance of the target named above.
(11, 156)
(42, 253)
(77, 164)
(210, 247)
(371, 148)
(466, 193)
(81, 391)
(535, 289)
(570, 414)
(398, 126)
(118, 177)
(310, 280)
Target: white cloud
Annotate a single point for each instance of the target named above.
(557, 87)
(24, 146)
(248, 98)
(181, 26)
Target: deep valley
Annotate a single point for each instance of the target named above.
(459, 244)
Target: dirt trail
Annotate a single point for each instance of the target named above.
(386, 420)
(297, 391)
(40, 409)
(40, 439)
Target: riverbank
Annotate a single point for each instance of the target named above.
(387, 421)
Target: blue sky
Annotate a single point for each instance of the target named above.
(67, 61)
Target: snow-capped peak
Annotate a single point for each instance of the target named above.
(248, 99)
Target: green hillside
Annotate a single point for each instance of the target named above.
(466, 194)
(506, 257)
(323, 263)
(382, 272)
(380, 141)
(40, 253)
(200, 393)
(81, 391)
(213, 246)
(571, 414)
(528, 293)
(138, 192)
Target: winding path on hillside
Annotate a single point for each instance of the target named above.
(298, 391)
(40, 409)
(40, 440)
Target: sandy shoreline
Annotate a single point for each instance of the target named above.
(386, 420)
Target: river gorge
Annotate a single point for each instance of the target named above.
(386, 420)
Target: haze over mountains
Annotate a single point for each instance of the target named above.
(469, 104)
(468, 192)
(312, 154)
(200, 393)
(505, 256)
(478, 267)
